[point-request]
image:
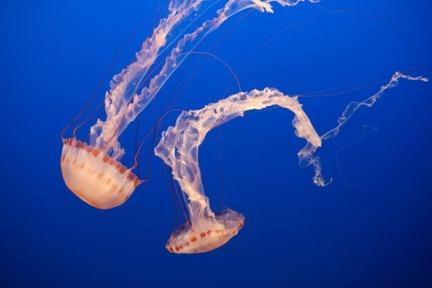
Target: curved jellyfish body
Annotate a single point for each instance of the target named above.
(101, 180)
(179, 147)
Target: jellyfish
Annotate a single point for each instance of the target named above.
(93, 170)
(179, 147)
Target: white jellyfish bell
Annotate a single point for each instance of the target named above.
(96, 178)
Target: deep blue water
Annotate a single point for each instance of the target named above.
(370, 228)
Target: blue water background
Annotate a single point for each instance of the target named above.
(370, 228)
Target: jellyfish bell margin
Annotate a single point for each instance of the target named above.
(209, 233)
(95, 177)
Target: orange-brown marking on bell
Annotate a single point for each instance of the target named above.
(193, 239)
(203, 234)
(120, 167)
(95, 152)
(137, 182)
(131, 177)
(115, 164)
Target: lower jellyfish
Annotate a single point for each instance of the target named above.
(179, 147)
(93, 171)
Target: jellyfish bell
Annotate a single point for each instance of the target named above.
(95, 177)
(207, 235)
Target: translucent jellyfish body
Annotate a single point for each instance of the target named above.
(95, 177)
(93, 171)
(179, 147)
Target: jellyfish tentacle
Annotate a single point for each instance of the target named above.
(369, 102)
(306, 154)
(122, 107)
(124, 102)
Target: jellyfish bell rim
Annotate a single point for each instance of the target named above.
(95, 177)
(191, 240)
